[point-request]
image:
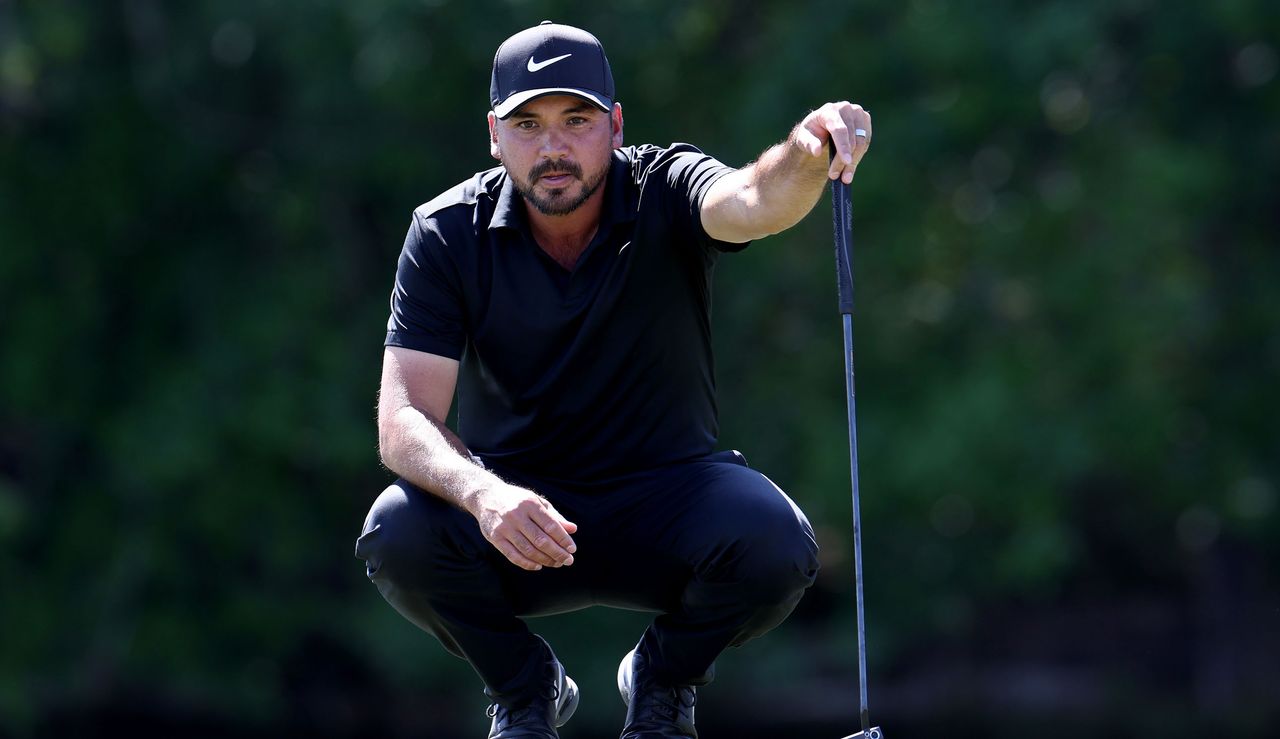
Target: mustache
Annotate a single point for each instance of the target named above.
(543, 169)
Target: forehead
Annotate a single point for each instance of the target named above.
(553, 105)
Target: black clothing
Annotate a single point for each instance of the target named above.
(582, 374)
(711, 544)
(593, 387)
(654, 710)
(551, 707)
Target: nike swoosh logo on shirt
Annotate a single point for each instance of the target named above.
(535, 66)
(624, 247)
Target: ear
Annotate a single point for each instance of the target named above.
(615, 120)
(494, 151)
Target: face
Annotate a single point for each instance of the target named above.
(556, 150)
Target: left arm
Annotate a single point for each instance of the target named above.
(774, 192)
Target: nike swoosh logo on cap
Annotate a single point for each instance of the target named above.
(535, 66)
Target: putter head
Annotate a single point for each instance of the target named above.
(872, 733)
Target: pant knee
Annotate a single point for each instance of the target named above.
(378, 539)
(772, 581)
(759, 541)
(780, 569)
(404, 532)
(777, 552)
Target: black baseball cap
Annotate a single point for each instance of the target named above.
(550, 59)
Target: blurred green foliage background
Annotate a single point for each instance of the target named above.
(1067, 338)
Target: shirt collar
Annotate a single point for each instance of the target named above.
(620, 197)
(506, 209)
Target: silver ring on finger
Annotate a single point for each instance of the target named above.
(862, 132)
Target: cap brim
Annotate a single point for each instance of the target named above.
(509, 106)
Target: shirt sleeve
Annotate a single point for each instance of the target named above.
(426, 302)
(690, 174)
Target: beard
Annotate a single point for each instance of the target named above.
(559, 202)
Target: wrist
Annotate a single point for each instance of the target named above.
(473, 503)
(482, 492)
(794, 143)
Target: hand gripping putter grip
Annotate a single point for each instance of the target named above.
(842, 223)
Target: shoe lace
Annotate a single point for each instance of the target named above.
(671, 701)
(550, 691)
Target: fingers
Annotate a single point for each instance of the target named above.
(839, 131)
(514, 556)
(531, 545)
(809, 142)
(566, 524)
(548, 537)
(844, 126)
(860, 124)
(530, 532)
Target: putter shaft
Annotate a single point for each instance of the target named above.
(863, 712)
(842, 223)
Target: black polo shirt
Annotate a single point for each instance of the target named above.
(578, 374)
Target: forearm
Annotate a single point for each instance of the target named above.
(776, 191)
(428, 454)
(780, 188)
(524, 526)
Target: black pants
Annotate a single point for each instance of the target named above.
(713, 546)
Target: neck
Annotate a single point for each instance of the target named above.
(565, 237)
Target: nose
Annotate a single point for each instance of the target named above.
(554, 145)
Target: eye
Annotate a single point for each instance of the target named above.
(526, 125)
(578, 120)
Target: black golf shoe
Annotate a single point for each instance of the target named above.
(539, 718)
(654, 710)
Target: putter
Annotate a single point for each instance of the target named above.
(842, 221)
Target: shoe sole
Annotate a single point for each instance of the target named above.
(565, 711)
(624, 677)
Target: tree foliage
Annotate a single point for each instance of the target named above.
(1066, 328)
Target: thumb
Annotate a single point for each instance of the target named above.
(808, 142)
(568, 525)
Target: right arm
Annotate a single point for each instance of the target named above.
(413, 441)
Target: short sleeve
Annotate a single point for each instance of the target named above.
(690, 174)
(426, 302)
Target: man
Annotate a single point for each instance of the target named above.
(565, 295)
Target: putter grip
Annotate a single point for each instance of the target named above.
(842, 224)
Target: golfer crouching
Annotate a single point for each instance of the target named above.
(565, 297)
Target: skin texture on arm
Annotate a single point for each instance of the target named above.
(773, 193)
(413, 441)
